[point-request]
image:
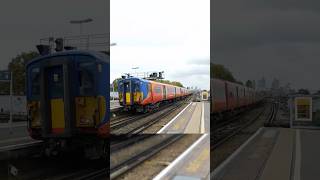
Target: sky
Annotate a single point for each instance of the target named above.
(162, 35)
(24, 23)
(274, 39)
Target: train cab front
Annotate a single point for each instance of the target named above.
(67, 96)
(131, 93)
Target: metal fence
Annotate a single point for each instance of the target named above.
(100, 42)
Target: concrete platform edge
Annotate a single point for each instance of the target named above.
(220, 168)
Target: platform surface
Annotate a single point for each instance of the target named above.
(114, 104)
(193, 119)
(274, 153)
(17, 130)
(194, 163)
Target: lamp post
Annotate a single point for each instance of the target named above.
(135, 68)
(80, 22)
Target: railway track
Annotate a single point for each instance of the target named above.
(138, 123)
(99, 174)
(274, 110)
(121, 142)
(224, 133)
(156, 144)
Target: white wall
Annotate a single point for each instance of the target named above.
(19, 104)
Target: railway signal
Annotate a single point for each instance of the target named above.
(59, 44)
(43, 49)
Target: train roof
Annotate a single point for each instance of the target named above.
(98, 55)
(145, 80)
(233, 83)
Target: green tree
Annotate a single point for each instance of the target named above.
(175, 83)
(303, 91)
(18, 66)
(249, 84)
(239, 82)
(220, 72)
(115, 84)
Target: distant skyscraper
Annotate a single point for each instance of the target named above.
(261, 83)
(275, 84)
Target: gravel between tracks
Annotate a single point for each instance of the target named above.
(162, 122)
(221, 153)
(154, 165)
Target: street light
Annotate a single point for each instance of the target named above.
(80, 22)
(136, 70)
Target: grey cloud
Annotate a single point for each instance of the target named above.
(262, 38)
(23, 23)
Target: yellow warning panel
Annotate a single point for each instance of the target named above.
(57, 115)
(128, 98)
(303, 102)
(303, 108)
(87, 111)
(34, 110)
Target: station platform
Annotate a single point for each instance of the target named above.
(114, 106)
(193, 119)
(17, 130)
(274, 153)
(192, 164)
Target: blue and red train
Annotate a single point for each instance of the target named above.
(143, 95)
(68, 100)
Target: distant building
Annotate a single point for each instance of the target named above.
(19, 105)
(261, 84)
(275, 84)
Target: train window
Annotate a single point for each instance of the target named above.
(99, 68)
(120, 86)
(56, 88)
(136, 87)
(35, 81)
(86, 78)
(158, 89)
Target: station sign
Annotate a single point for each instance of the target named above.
(303, 106)
(5, 76)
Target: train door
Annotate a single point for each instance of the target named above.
(54, 99)
(164, 92)
(150, 91)
(227, 95)
(237, 98)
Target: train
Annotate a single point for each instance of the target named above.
(204, 95)
(68, 101)
(229, 97)
(142, 95)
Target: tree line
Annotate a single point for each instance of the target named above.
(220, 72)
(17, 66)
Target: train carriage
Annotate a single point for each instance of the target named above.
(68, 98)
(227, 96)
(144, 95)
(231, 97)
(218, 96)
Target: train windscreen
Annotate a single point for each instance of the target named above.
(35, 81)
(87, 78)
